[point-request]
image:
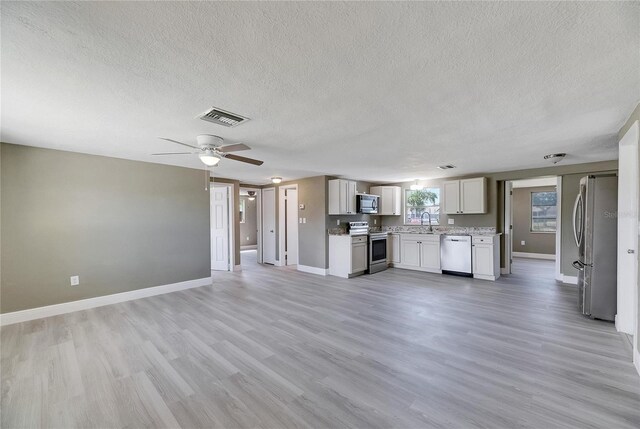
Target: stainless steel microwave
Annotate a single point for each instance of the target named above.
(367, 204)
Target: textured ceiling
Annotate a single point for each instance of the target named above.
(373, 91)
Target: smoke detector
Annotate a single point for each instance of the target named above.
(222, 117)
(555, 157)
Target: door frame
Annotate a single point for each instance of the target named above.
(230, 221)
(258, 192)
(282, 225)
(632, 138)
(508, 225)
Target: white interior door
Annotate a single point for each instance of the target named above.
(292, 226)
(627, 231)
(219, 228)
(269, 226)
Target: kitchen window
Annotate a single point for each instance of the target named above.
(544, 211)
(417, 202)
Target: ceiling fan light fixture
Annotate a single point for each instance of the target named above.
(276, 179)
(209, 159)
(252, 195)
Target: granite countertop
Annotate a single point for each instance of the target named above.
(439, 230)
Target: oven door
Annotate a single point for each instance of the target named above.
(378, 250)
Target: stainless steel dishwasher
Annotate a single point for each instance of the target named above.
(455, 254)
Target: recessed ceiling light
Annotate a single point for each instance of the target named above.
(446, 167)
(276, 179)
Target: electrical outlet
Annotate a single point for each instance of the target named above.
(375, 221)
(450, 221)
(522, 243)
(300, 220)
(338, 222)
(304, 220)
(75, 280)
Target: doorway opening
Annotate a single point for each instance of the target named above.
(221, 227)
(532, 242)
(288, 225)
(250, 226)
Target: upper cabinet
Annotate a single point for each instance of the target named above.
(390, 200)
(466, 196)
(342, 197)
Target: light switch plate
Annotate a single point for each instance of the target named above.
(300, 220)
(522, 243)
(338, 222)
(451, 221)
(304, 220)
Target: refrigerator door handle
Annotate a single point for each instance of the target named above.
(577, 234)
(578, 265)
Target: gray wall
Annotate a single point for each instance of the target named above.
(120, 225)
(535, 242)
(249, 229)
(312, 236)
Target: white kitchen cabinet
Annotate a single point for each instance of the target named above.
(410, 252)
(466, 196)
(342, 197)
(430, 255)
(485, 256)
(393, 248)
(390, 199)
(419, 252)
(451, 196)
(348, 255)
(358, 257)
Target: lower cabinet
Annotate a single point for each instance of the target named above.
(348, 256)
(485, 257)
(393, 249)
(419, 252)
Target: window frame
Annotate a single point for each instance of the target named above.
(405, 191)
(531, 206)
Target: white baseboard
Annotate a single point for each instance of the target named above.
(249, 247)
(503, 271)
(572, 280)
(99, 301)
(636, 358)
(313, 270)
(534, 256)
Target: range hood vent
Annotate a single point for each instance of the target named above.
(222, 117)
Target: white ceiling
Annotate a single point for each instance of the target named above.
(372, 91)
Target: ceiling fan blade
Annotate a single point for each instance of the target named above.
(174, 153)
(233, 148)
(177, 142)
(243, 159)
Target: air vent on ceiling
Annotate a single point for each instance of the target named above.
(221, 117)
(446, 167)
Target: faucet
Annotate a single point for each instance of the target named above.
(422, 220)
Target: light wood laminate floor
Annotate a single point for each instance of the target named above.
(274, 348)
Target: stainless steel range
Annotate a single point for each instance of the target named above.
(377, 252)
(377, 245)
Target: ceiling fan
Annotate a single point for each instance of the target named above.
(210, 150)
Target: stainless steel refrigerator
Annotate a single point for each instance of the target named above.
(595, 229)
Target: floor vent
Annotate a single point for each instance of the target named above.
(222, 117)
